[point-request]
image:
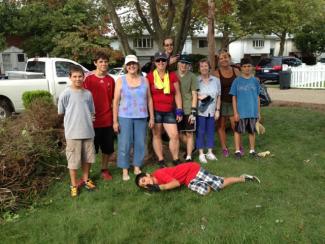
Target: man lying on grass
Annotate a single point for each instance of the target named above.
(190, 174)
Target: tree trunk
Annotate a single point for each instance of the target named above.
(282, 42)
(225, 41)
(122, 36)
(183, 27)
(211, 39)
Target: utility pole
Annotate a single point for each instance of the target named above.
(211, 39)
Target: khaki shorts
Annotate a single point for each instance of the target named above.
(226, 109)
(80, 151)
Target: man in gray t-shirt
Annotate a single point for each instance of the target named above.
(77, 106)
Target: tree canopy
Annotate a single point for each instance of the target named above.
(71, 28)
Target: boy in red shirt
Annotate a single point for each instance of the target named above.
(190, 174)
(101, 85)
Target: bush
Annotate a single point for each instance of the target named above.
(309, 60)
(29, 96)
(33, 157)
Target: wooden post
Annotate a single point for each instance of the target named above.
(211, 38)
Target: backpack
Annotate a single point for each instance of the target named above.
(265, 98)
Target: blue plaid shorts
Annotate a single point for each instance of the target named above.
(203, 180)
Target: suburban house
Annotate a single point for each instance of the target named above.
(12, 58)
(255, 46)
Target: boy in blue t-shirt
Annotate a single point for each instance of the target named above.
(246, 104)
(77, 107)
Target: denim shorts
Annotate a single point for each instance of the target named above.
(165, 117)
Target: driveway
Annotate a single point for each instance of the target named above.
(306, 96)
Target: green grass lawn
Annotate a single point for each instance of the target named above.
(287, 207)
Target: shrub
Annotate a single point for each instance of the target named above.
(29, 96)
(33, 157)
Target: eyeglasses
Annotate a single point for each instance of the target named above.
(131, 63)
(169, 45)
(160, 60)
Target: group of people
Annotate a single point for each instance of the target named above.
(171, 100)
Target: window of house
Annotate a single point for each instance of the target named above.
(21, 57)
(143, 42)
(258, 43)
(203, 43)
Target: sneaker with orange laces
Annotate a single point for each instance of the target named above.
(106, 175)
(89, 185)
(73, 191)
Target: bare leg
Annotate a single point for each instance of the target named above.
(73, 177)
(222, 131)
(85, 171)
(251, 138)
(189, 143)
(183, 138)
(157, 142)
(172, 132)
(237, 141)
(232, 123)
(232, 180)
(105, 160)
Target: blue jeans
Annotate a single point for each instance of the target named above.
(205, 132)
(133, 132)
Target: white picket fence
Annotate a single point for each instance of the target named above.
(308, 76)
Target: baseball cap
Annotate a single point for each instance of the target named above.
(131, 58)
(184, 59)
(160, 55)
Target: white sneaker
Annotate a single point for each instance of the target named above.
(125, 177)
(211, 156)
(250, 178)
(202, 159)
(188, 158)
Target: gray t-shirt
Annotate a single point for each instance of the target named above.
(77, 107)
(212, 88)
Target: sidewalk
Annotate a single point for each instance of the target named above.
(307, 96)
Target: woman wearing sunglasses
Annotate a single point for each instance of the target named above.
(131, 107)
(166, 93)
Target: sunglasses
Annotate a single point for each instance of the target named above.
(169, 45)
(160, 60)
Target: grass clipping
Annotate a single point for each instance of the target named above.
(30, 154)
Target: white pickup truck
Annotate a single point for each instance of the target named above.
(50, 74)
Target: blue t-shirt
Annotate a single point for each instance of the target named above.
(247, 92)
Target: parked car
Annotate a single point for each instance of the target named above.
(117, 72)
(269, 68)
(322, 60)
(49, 74)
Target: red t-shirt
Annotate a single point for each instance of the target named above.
(183, 173)
(102, 90)
(163, 102)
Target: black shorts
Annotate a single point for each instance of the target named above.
(104, 139)
(184, 125)
(246, 125)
